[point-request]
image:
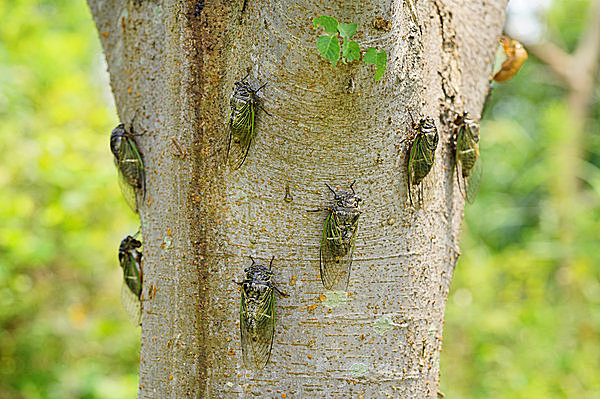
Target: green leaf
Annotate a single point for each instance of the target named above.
(380, 64)
(351, 51)
(330, 24)
(370, 56)
(347, 30)
(329, 47)
(378, 58)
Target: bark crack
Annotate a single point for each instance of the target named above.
(326, 124)
(450, 73)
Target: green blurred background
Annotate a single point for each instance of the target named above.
(523, 316)
(63, 333)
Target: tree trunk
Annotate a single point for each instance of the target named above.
(172, 66)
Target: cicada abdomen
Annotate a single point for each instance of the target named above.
(243, 103)
(468, 161)
(130, 165)
(338, 239)
(130, 259)
(421, 155)
(257, 314)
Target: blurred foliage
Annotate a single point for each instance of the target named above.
(63, 333)
(523, 316)
(520, 323)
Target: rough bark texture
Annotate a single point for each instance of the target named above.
(172, 65)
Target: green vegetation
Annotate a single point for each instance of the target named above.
(63, 332)
(523, 315)
(329, 45)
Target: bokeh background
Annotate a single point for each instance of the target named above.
(523, 317)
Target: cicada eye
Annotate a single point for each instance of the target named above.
(115, 144)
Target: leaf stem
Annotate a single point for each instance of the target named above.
(386, 36)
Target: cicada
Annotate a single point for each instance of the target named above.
(130, 165)
(257, 314)
(243, 103)
(421, 155)
(338, 239)
(131, 291)
(516, 55)
(468, 161)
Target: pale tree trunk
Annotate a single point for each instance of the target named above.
(173, 65)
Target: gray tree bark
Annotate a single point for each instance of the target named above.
(173, 65)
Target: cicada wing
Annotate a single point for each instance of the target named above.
(468, 164)
(458, 161)
(336, 255)
(131, 172)
(131, 304)
(241, 132)
(257, 324)
(472, 182)
(130, 163)
(128, 192)
(411, 170)
(420, 162)
(132, 273)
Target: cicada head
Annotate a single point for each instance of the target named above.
(346, 199)
(257, 279)
(242, 94)
(473, 127)
(426, 122)
(468, 125)
(429, 131)
(128, 248)
(258, 272)
(129, 243)
(116, 139)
